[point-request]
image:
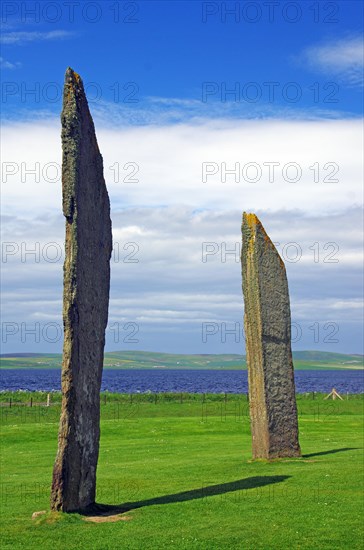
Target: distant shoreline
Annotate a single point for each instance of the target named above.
(133, 360)
(314, 366)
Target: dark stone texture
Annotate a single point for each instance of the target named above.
(85, 302)
(267, 321)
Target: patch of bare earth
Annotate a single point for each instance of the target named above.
(107, 519)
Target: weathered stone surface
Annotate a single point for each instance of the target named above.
(267, 320)
(85, 302)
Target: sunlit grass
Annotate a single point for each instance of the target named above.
(182, 471)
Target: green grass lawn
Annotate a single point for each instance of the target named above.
(182, 472)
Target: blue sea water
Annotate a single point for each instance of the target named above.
(192, 381)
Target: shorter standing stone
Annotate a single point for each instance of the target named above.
(272, 401)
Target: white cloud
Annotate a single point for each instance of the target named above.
(161, 112)
(343, 59)
(168, 163)
(171, 290)
(170, 212)
(23, 37)
(4, 64)
(172, 111)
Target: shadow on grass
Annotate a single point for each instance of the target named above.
(212, 490)
(331, 452)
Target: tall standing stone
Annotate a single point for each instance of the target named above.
(88, 249)
(267, 320)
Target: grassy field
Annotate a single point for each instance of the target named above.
(303, 360)
(180, 468)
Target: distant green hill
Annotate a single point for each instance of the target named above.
(307, 360)
(327, 356)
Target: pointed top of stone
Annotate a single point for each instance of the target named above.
(74, 96)
(77, 126)
(252, 226)
(72, 77)
(254, 223)
(250, 218)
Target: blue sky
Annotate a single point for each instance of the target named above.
(158, 75)
(169, 49)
